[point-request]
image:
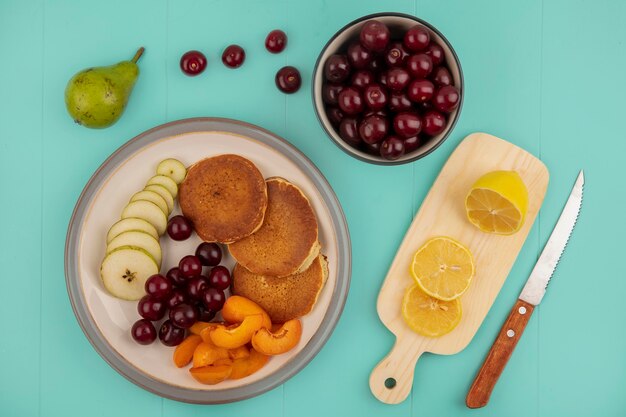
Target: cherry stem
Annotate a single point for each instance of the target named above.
(138, 55)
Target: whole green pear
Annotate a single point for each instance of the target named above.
(96, 97)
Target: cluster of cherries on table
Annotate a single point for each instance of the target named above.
(184, 293)
(385, 96)
(288, 79)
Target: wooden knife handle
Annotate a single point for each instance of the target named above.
(501, 350)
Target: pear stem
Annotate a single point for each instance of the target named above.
(138, 54)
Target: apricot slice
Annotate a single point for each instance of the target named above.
(206, 354)
(199, 326)
(247, 366)
(232, 337)
(211, 374)
(236, 308)
(204, 333)
(184, 352)
(281, 341)
(241, 352)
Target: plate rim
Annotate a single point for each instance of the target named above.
(118, 362)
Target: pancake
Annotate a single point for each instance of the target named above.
(283, 298)
(287, 242)
(225, 197)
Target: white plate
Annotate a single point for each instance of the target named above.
(107, 320)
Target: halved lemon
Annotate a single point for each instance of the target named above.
(429, 316)
(443, 268)
(497, 202)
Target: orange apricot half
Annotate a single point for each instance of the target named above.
(207, 354)
(232, 337)
(211, 374)
(281, 341)
(247, 366)
(236, 308)
(184, 352)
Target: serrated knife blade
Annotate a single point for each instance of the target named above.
(537, 283)
(531, 295)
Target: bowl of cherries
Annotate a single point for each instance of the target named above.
(388, 88)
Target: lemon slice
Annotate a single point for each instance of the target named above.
(443, 268)
(497, 202)
(427, 315)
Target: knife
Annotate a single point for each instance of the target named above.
(529, 298)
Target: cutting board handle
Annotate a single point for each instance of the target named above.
(392, 379)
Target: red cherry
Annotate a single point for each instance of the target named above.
(433, 123)
(435, 52)
(447, 98)
(421, 90)
(417, 38)
(373, 129)
(361, 79)
(374, 35)
(396, 55)
(392, 148)
(375, 97)
(349, 131)
(397, 79)
(276, 41)
(441, 76)
(358, 56)
(233, 56)
(350, 101)
(411, 144)
(407, 124)
(288, 80)
(419, 66)
(193, 63)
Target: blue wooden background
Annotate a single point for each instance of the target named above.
(547, 75)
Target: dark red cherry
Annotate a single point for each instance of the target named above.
(158, 286)
(143, 332)
(335, 115)
(411, 144)
(349, 131)
(392, 148)
(350, 101)
(397, 79)
(183, 315)
(179, 228)
(374, 35)
(193, 63)
(288, 79)
(375, 97)
(361, 79)
(233, 56)
(419, 66)
(330, 93)
(421, 90)
(373, 129)
(209, 253)
(399, 101)
(150, 308)
(407, 124)
(196, 286)
(447, 98)
(219, 277)
(358, 56)
(276, 41)
(176, 277)
(171, 335)
(337, 68)
(175, 298)
(382, 78)
(441, 76)
(396, 55)
(190, 266)
(416, 38)
(433, 123)
(435, 52)
(382, 113)
(213, 299)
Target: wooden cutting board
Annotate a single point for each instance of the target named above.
(443, 214)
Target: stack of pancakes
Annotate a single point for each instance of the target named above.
(269, 226)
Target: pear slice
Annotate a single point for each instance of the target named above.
(147, 211)
(131, 223)
(172, 168)
(166, 182)
(138, 239)
(162, 191)
(125, 270)
(152, 197)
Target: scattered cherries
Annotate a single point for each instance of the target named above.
(389, 93)
(233, 56)
(193, 63)
(276, 41)
(288, 79)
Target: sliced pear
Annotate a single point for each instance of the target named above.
(131, 223)
(147, 211)
(152, 197)
(139, 239)
(172, 168)
(162, 191)
(166, 182)
(125, 270)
